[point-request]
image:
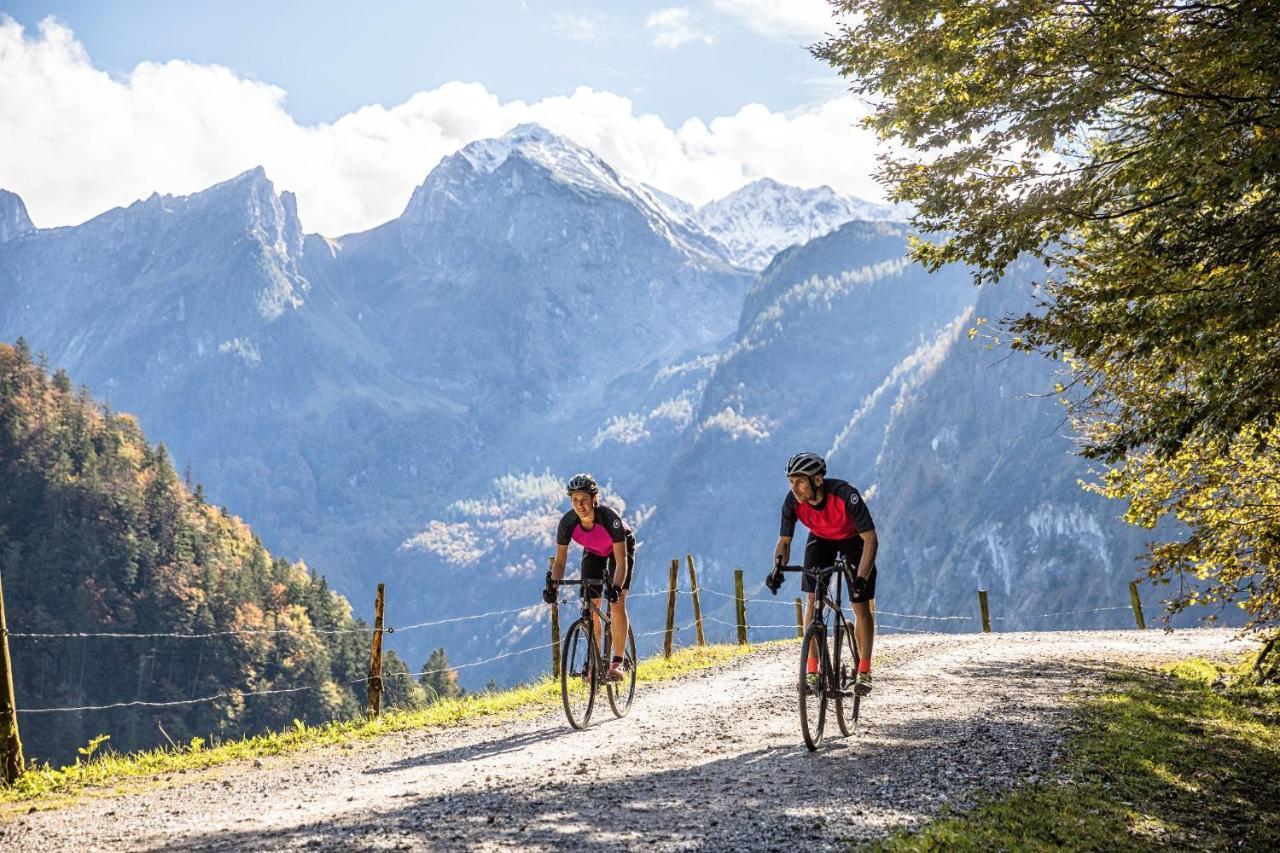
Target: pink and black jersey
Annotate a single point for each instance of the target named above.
(841, 514)
(609, 528)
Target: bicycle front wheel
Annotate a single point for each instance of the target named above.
(813, 698)
(622, 692)
(844, 667)
(578, 674)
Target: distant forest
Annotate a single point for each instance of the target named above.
(99, 534)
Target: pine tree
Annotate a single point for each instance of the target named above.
(437, 679)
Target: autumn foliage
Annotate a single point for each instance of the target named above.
(99, 534)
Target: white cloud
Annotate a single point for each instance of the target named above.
(77, 141)
(674, 27)
(805, 19)
(574, 27)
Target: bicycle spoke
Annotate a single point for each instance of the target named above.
(578, 674)
(813, 693)
(844, 668)
(621, 693)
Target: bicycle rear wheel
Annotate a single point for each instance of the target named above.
(813, 700)
(578, 674)
(844, 667)
(622, 692)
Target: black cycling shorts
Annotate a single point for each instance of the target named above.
(820, 553)
(594, 566)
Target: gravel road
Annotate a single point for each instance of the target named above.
(713, 760)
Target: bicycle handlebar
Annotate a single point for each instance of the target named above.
(577, 582)
(814, 571)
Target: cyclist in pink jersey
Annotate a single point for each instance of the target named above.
(608, 553)
(839, 523)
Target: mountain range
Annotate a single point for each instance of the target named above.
(402, 404)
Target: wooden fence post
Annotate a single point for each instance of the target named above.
(742, 607)
(374, 707)
(1137, 606)
(671, 606)
(799, 619)
(697, 602)
(555, 628)
(11, 762)
(986, 613)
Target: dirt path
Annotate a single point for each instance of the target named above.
(713, 760)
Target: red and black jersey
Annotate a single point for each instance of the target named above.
(840, 514)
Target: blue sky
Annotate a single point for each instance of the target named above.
(333, 59)
(350, 108)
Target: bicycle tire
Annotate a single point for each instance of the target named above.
(813, 705)
(578, 656)
(620, 700)
(844, 668)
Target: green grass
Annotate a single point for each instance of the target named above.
(48, 787)
(1187, 757)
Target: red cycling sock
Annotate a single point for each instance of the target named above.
(864, 665)
(813, 664)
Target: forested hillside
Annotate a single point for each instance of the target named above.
(99, 534)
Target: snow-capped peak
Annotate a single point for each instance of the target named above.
(566, 163)
(759, 220)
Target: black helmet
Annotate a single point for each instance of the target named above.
(806, 465)
(582, 483)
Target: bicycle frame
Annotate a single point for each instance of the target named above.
(590, 612)
(834, 677)
(822, 597)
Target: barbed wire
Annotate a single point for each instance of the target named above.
(1060, 613)
(391, 629)
(675, 629)
(464, 618)
(749, 600)
(156, 635)
(140, 703)
(249, 693)
(880, 612)
(448, 620)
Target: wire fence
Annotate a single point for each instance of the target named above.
(672, 593)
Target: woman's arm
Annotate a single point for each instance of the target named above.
(557, 564)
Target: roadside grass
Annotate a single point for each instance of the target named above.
(46, 786)
(1183, 757)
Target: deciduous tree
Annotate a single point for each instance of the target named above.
(1134, 147)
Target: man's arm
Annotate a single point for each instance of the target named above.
(782, 551)
(869, 545)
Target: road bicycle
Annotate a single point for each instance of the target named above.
(583, 663)
(837, 658)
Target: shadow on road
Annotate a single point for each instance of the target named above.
(485, 749)
(981, 726)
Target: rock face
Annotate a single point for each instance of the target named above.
(14, 221)
(975, 476)
(402, 405)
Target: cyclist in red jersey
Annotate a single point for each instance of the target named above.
(839, 523)
(608, 552)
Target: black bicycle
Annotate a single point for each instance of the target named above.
(583, 663)
(836, 673)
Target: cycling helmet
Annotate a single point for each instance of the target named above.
(806, 465)
(582, 483)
